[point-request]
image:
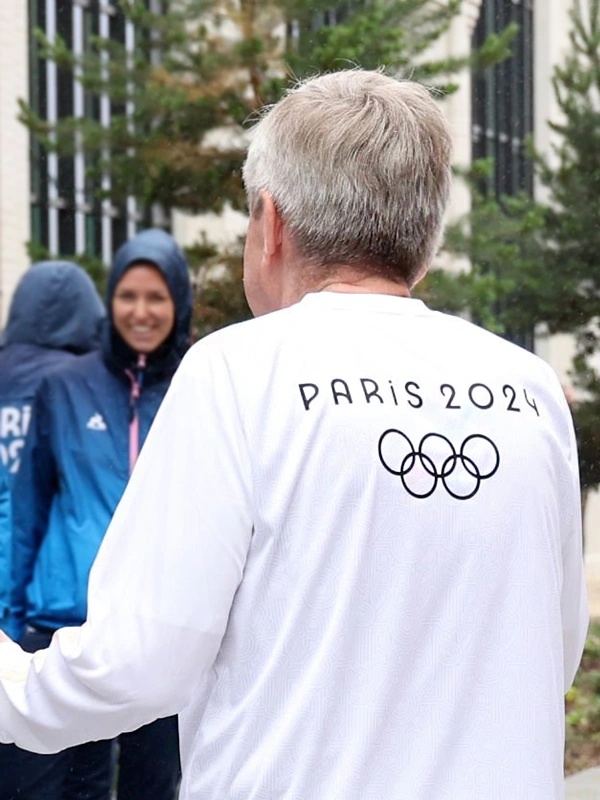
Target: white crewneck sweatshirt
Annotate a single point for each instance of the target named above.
(349, 557)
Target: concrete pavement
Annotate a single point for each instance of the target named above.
(592, 570)
(584, 785)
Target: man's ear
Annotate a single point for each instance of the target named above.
(272, 227)
(419, 277)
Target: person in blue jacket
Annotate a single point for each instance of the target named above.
(55, 314)
(5, 544)
(90, 420)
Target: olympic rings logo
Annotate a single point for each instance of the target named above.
(436, 460)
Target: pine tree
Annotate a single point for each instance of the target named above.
(503, 287)
(572, 177)
(200, 70)
(536, 263)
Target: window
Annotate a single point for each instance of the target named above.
(302, 28)
(503, 98)
(503, 109)
(38, 100)
(66, 217)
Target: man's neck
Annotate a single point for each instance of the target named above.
(302, 279)
(369, 284)
(366, 287)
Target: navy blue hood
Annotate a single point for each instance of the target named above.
(155, 247)
(55, 305)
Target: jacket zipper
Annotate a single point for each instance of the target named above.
(137, 382)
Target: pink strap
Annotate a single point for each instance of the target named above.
(134, 425)
(134, 441)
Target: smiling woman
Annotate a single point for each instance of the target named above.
(94, 417)
(142, 308)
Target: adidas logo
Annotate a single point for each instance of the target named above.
(96, 423)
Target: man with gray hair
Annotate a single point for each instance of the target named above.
(372, 583)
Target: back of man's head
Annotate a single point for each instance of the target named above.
(55, 305)
(358, 165)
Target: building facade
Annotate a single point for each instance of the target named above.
(15, 219)
(46, 199)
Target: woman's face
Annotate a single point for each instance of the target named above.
(143, 311)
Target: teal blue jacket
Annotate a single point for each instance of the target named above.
(76, 462)
(55, 314)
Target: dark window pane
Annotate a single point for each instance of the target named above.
(66, 230)
(502, 102)
(91, 28)
(39, 224)
(38, 101)
(503, 99)
(66, 181)
(37, 70)
(145, 220)
(93, 234)
(117, 34)
(65, 108)
(119, 229)
(117, 26)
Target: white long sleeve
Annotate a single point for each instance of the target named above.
(161, 588)
(399, 490)
(574, 601)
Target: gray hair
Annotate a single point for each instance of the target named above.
(358, 166)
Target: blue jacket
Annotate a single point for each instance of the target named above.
(76, 462)
(55, 313)
(5, 548)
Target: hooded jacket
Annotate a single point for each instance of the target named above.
(78, 456)
(55, 313)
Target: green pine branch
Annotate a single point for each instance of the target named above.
(181, 102)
